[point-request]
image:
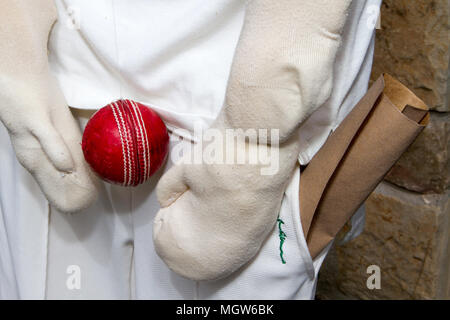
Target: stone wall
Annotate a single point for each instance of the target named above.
(407, 216)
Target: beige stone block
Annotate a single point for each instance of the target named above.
(413, 46)
(406, 235)
(425, 166)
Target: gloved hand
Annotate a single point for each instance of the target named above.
(44, 134)
(215, 217)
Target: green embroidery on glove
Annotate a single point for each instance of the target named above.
(282, 238)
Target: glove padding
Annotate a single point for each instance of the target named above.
(44, 134)
(215, 218)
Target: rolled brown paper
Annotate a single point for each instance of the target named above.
(356, 157)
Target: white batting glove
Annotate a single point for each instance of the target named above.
(44, 134)
(215, 217)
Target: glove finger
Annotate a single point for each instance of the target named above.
(55, 148)
(28, 151)
(171, 186)
(65, 122)
(68, 192)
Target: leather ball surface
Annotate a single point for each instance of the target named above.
(125, 142)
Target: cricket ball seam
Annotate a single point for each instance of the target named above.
(123, 145)
(147, 163)
(139, 136)
(127, 141)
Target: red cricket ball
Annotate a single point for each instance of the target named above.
(125, 142)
